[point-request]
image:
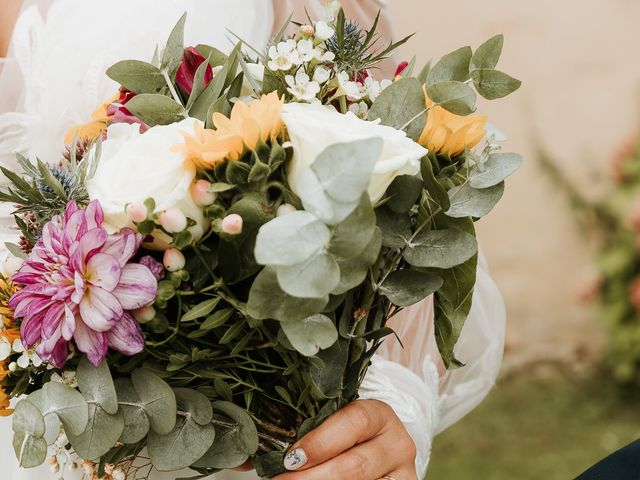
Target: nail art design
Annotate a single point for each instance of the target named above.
(295, 459)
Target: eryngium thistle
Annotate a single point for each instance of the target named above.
(67, 179)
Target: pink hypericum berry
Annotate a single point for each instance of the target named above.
(232, 224)
(173, 220)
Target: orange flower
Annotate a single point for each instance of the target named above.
(244, 129)
(450, 134)
(5, 411)
(96, 127)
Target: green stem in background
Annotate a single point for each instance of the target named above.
(174, 93)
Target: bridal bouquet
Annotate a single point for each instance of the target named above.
(205, 274)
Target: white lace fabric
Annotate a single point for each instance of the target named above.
(54, 78)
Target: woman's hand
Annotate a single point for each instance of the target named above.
(363, 441)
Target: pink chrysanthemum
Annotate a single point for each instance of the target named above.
(79, 284)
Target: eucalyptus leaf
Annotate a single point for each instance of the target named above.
(488, 54)
(453, 66)
(27, 418)
(154, 109)
(351, 236)
(96, 385)
(30, 451)
(467, 201)
(65, 402)
(158, 400)
(15, 250)
(102, 432)
(315, 278)
(181, 447)
(456, 97)
(327, 379)
(173, 51)
(407, 287)
(493, 84)
(268, 300)
(403, 193)
(291, 239)
(396, 227)
(216, 57)
(353, 271)
(137, 76)
(195, 404)
(441, 248)
(495, 170)
(402, 106)
(312, 334)
(136, 421)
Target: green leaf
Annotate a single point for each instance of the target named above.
(233, 444)
(351, 236)
(403, 193)
(431, 184)
(291, 239)
(15, 250)
(236, 252)
(402, 106)
(268, 300)
(137, 76)
(65, 402)
(51, 181)
(155, 109)
(452, 302)
(158, 400)
(173, 51)
(407, 287)
(488, 54)
(452, 67)
(353, 271)
(30, 451)
(195, 403)
(136, 421)
(181, 447)
(441, 248)
(198, 84)
(27, 418)
(314, 278)
(217, 319)
(312, 334)
(327, 379)
(220, 187)
(467, 201)
(216, 57)
(497, 168)
(102, 432)
(396, 227)
(96, 384)
(456, 97)
(201, 310)
(493, 84)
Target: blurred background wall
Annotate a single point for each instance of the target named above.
(580, 71)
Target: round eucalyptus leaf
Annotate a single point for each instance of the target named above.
(291, 239)
(312, 334)
(28, 419)
(441, 248)
(136, 421)
(403, 193)
(158, 400)
(195, 404)
(351, 236)
(455, 97)
(488, 54)
(182, 446)
(453, 66)
(65, 402)
(96, 384)
(396, 227)
(467, 201)
(353, 271)
(407, 287)
(268, 300)
(401, 106)
(493, 84)
(315, 278)
(497, 167)
(30, 451)
(233, 443)
(101, 434)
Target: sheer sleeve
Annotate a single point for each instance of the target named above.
(412, 379)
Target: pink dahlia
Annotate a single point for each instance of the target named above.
(79, 284)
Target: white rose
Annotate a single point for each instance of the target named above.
(133, 167)
(313, 127)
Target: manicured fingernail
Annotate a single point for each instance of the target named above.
(295, 459)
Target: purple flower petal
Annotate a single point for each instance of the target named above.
(99, 309)
(137, 288)
(126, 337)
(93, 344)
(68, 323)
(123, 245)
(31, 331)
(92, 241)
(154, 265)
(103, 270)
(94, 214)
(51, 319)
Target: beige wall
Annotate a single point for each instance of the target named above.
(580, 66)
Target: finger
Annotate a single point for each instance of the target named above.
(354, 424)
(408, 473)
(366, 461)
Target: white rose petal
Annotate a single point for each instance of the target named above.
(134, 167)
(312, 128)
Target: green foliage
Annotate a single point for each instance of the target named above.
(155, 109)
(310, 335)
(137, 76)
(401, 106)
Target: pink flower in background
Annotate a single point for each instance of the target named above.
(118, 113)
(185, 76)
(634, 293)
(79, 284)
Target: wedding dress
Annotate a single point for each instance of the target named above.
(54, 78)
